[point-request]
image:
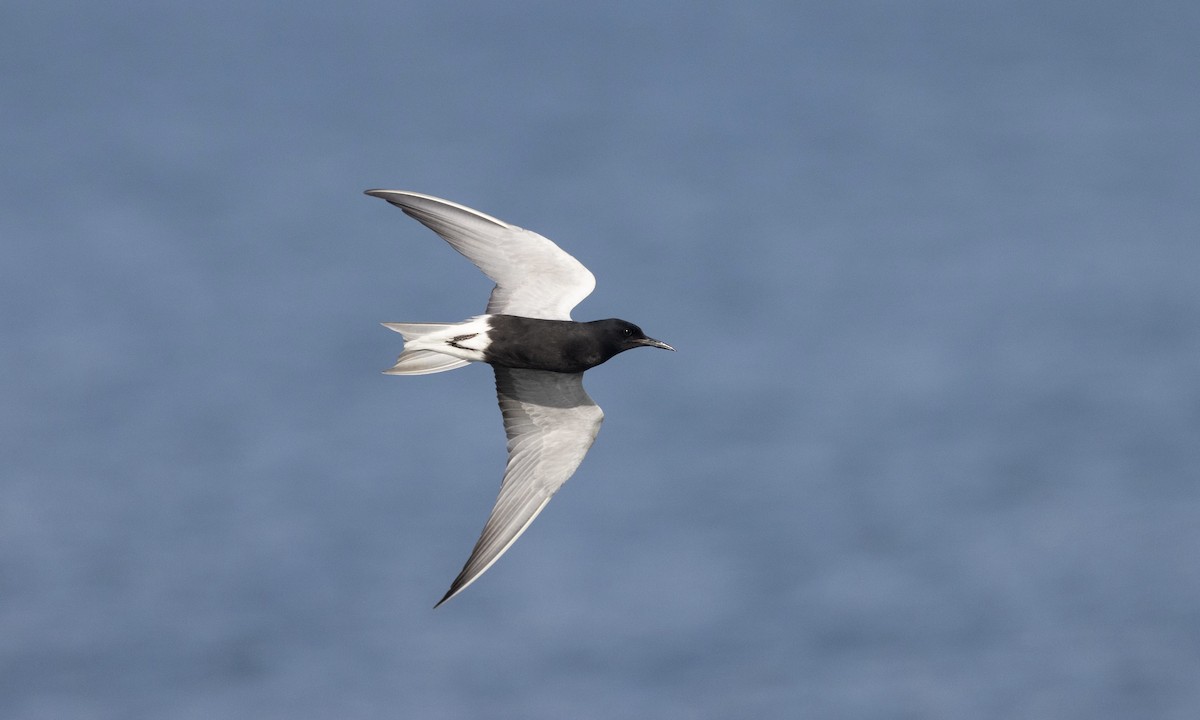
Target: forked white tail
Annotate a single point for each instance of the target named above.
(417, 361)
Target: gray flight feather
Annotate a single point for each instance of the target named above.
(551, 423)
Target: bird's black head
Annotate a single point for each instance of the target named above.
(620, 336)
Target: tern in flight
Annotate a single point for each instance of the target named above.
(538, 353)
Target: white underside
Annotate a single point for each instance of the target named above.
(436, 347)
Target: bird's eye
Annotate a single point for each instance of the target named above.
(628, 332)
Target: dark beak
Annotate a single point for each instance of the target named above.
(651, 342)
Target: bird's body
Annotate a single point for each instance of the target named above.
(513, 341)
(538, 353)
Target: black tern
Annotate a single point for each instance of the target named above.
(537, 352)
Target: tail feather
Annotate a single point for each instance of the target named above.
(412, 331)
(421, 362)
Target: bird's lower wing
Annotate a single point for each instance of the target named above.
(551, 423)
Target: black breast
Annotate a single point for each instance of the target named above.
(535, 344)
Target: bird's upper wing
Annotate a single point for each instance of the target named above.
(533, 276)
(550, 422)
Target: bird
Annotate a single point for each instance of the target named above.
(537, 352)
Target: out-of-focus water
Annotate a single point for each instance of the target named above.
(929, 447)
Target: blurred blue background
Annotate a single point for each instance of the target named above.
(929, 448)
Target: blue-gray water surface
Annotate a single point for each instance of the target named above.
(930, 447)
